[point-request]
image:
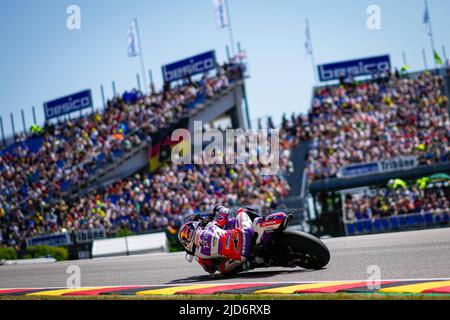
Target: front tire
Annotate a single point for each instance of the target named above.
(310, 252)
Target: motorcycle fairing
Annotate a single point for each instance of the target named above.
(264, 227)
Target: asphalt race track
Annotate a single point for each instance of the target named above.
(400, 256)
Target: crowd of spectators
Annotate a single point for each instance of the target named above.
(386, 202)
(72, 150)
(380, 119)
(145, 201)
(350, 123)
(297, 126)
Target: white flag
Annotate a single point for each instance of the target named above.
(308, 45)
(426, 21)
(133, 42)
(221, 14)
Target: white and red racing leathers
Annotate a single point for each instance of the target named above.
(225, 243)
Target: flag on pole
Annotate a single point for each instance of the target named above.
(133, 41)
(221, 14)
(308, 44)
(427, 21)
(437, 58)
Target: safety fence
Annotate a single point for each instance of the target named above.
(398, 223)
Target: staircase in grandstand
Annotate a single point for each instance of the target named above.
(296, 179)
(295, 201)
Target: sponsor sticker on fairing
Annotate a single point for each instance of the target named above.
(270, 223)
(227, 242)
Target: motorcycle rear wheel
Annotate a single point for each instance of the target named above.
(307, 250)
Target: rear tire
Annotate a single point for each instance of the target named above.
(316, 252)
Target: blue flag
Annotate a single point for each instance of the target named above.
(427, 21)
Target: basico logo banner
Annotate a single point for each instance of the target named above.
(354, 68)
(190, 66)
(68, 104)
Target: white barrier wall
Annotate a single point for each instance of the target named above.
(149, 243)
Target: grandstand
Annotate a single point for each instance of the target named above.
(380, 154)
(371, 156)
(107, 173)
(42, 171)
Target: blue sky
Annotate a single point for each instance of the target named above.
(41, 59)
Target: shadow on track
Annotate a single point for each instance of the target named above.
(247, 275)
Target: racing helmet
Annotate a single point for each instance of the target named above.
(220, 209)
(186, 236)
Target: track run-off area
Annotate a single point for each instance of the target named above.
(408, 262)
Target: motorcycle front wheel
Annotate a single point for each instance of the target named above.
(303, 250)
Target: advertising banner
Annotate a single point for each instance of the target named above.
(354, 68)
(68, 104)
(52, 240)
(188, 67)
(378, 167)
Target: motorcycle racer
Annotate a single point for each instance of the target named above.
(223, 245)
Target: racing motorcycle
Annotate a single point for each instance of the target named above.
(275, 246)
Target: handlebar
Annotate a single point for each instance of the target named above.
(204, 220)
